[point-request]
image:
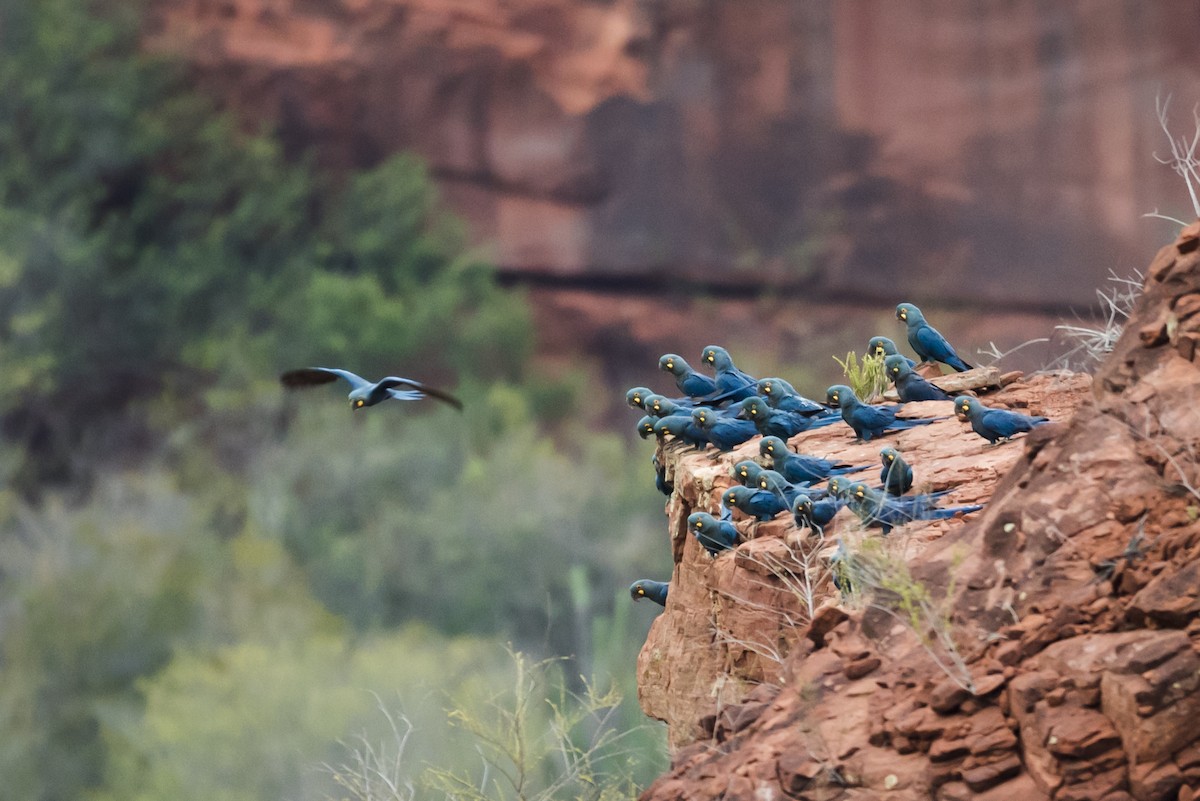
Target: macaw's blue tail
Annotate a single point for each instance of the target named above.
(902, 423)
(822, 420)
(958, 364)
(943, 514)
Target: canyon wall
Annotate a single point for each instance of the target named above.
(988, 152)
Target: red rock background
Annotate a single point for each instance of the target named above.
(996, 151)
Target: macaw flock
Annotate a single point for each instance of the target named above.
(730, 407)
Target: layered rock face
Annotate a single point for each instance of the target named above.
(731, 623)
(1066, 665)
(994, 151)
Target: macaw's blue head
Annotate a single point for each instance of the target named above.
(359, 398)
(746, 471)
(881, 346)
(700, 521)
(859, 491)
(675, 365)
(896, 366)
(771, 446)
(636, 396)
(731, 496)
(754, 407)
(717, 357)
(908, 313)
(838, 394)
(965, 406)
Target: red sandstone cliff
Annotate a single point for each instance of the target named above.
(998, 150)
(1073, 601)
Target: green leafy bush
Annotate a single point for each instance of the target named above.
(150, 246)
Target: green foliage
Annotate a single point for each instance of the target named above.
(867, 377)
(201, 574)
(99, 598)
(150, 246)
(250, 721)
(539, 742)
(530, 739)
(368, 505)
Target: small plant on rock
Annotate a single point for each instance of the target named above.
(866, 377)
(884, 578)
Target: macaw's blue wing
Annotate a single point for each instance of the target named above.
(408, 389)
(1002, 423)
(877, 509)
(815, 514)
(783, 396)
(868, 421)
(897, 478)
(727, 434)
(312, 376)
(929, 343)
(682, 429)
(912, 387)
(760, 504)
(875, 425)
(695, 385)
(799, 468)
(714, 535)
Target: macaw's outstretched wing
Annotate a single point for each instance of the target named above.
(402, 389)
(311, 376)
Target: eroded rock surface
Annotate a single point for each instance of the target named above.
(1072, 601)
(632, 137)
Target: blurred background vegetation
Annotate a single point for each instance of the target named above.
(206, 585)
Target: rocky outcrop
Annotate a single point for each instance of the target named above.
(995, 151)
(731, 623)
(1071, 601)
